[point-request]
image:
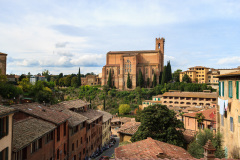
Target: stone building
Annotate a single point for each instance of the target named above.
(3, 63)
(91, 80)
(120, 63)
(228, 115)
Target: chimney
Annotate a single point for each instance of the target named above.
(209, 151)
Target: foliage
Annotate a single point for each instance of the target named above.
(186, 79)
(67, 80)
(148, 82)
(176, 75)
(74, 82)
(159, 123)
(154, 80)
(124, 109)
(21, 77)
(168, 72)
(46, 73)
(79, 78)
(164, 76)
(25, 85)
(200, 117)
(129, 82)
(140, 79)
(196, 147)
(109, 82)
(10, 91)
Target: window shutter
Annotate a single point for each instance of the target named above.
(223, 89)
(7, 123)
(229, 89)
(219, 87)
(237, 90)
(1, 127)
(6, 154)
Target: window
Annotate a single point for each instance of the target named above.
(4, 154)
(152, 71)
(74, 130)
(222, 120)
(238, 119)
(58, 154)
(49, 137)
(231, 124)
(201, 125)
(77, 143)
(237, 89)
(80, 156)
(81, 140)
(73, 147)
(36, 145)
(230, 89)
(58, 133)
(4, 126)
(107, 71)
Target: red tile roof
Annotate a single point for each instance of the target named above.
(150, 149)
(74, 103)
(190, 94)
(43, 112)
(4, 110)
(209, 114)
(237, 73)
(129, 128)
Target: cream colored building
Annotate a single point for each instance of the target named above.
(155, 100)
(106, 127)
(6, 116)
(228, 118)
(197, 74)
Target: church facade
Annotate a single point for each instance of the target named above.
(120, 63)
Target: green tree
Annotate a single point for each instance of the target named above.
(129, 82)
(109, 82)
(164, 76)
(46, 73)
(61, 82)
(60, 75)
(67, 80)
(79, 78)
(176, 75)
(159, 123)
(22, 76)
(200, 117)
(186, 79)
(9, 91)
(140, 79)
(148, 82)
(154, 80)
(160, 77)
(169, 72)
(124, 109)
(74, 82)
(196, 147)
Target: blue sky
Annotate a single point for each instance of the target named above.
(62, 35)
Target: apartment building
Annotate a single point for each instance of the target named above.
(155, 100)
(106, 127)
(228, 115)
(197, 74)
(6, 116)
(55, 117)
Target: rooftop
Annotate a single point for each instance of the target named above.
(74, 103)
(209, 114)
(237, 73)
(75, 118)
(190, 94)
(150, 149)
(199, 67)
(4, 110)
(129, 128)
(157, 96)
(43, 112)
(92, 115)
(106, 116)
(2, 53)
(132, 52)
(29, 130)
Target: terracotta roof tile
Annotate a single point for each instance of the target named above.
(4, 110)
(75, 118)
(209, 114)
(74, 103)
(237, 73)
(190, 94)
(150, 149)
(130, 130)
(43, 112)
(91, 114)
(29, 130)
(106, 116)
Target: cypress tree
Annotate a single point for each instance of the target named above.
(160, 77)
(79, 78)
(148, 82)
(169, 72)
(129, 82)
(154, 80)
(109, 82)
(140, 79)
(164, 78)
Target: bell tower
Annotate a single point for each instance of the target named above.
(160, 44)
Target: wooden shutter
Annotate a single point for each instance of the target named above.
(219, 86)
(223, 89)
(237, 90)
(6, 154)
(1, 127)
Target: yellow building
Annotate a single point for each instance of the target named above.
(106, 127)
(6, 116)
(228, 115)
(197, 74)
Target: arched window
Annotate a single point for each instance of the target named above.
(159, 45)
(107, 71)
(128, 66)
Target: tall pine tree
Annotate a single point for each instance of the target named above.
(109, 82)
(164, 76)
(79, 78)
(160, 77)
(169, 72)
(129, 82)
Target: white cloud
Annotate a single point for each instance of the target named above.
(229, 60)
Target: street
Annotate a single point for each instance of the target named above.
(110, 151)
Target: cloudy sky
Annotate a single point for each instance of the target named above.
(62, 35)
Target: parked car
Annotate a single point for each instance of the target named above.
(104, 158)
